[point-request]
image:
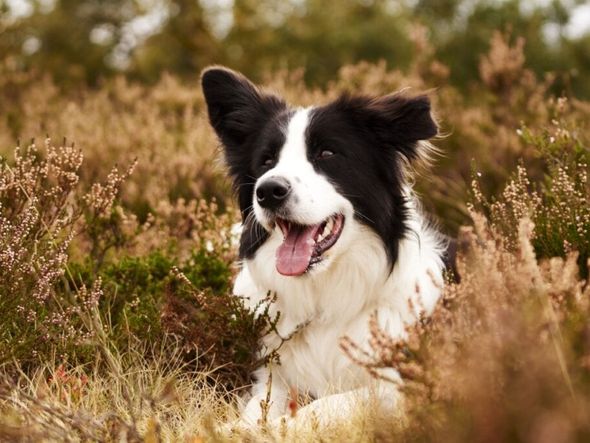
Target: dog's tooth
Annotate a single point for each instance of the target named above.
(320, 233)
(329, 226)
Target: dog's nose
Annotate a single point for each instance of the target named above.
(272, 192)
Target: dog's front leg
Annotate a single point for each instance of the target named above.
(380, 398)
(269, 399)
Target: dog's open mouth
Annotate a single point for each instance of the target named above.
(303, 245)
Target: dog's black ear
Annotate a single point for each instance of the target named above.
(237, 109)
(397, 121)
(405, 120)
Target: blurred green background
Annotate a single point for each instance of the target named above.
(84, 41)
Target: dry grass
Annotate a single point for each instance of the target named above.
(151, 399)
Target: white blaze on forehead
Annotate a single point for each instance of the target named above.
(295, 149)
(313, 198)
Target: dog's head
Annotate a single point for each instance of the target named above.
(316, 177)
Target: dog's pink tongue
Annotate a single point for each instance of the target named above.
(294, 254)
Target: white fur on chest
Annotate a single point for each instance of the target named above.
(338, 302)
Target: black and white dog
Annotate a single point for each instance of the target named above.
(330, 225)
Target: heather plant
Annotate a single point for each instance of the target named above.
(505, 355)
(230, 340)
(558, 203)
(162, 125)
(63, 276)
(37, 225)
(166, 126)
(136, 290)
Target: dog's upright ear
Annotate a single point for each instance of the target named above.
(238, 112)
(396, 120)
(237, 109)
(404, 121)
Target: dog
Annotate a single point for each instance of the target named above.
(332, 227)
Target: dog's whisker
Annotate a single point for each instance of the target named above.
(360, 214)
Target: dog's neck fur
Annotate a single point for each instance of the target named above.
(341, 300)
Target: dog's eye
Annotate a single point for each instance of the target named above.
(268, 162)
(326, 153)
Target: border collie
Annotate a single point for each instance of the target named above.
(331, 226)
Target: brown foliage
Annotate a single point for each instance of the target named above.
(504, 357)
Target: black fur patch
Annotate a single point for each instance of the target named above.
(367, 137)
